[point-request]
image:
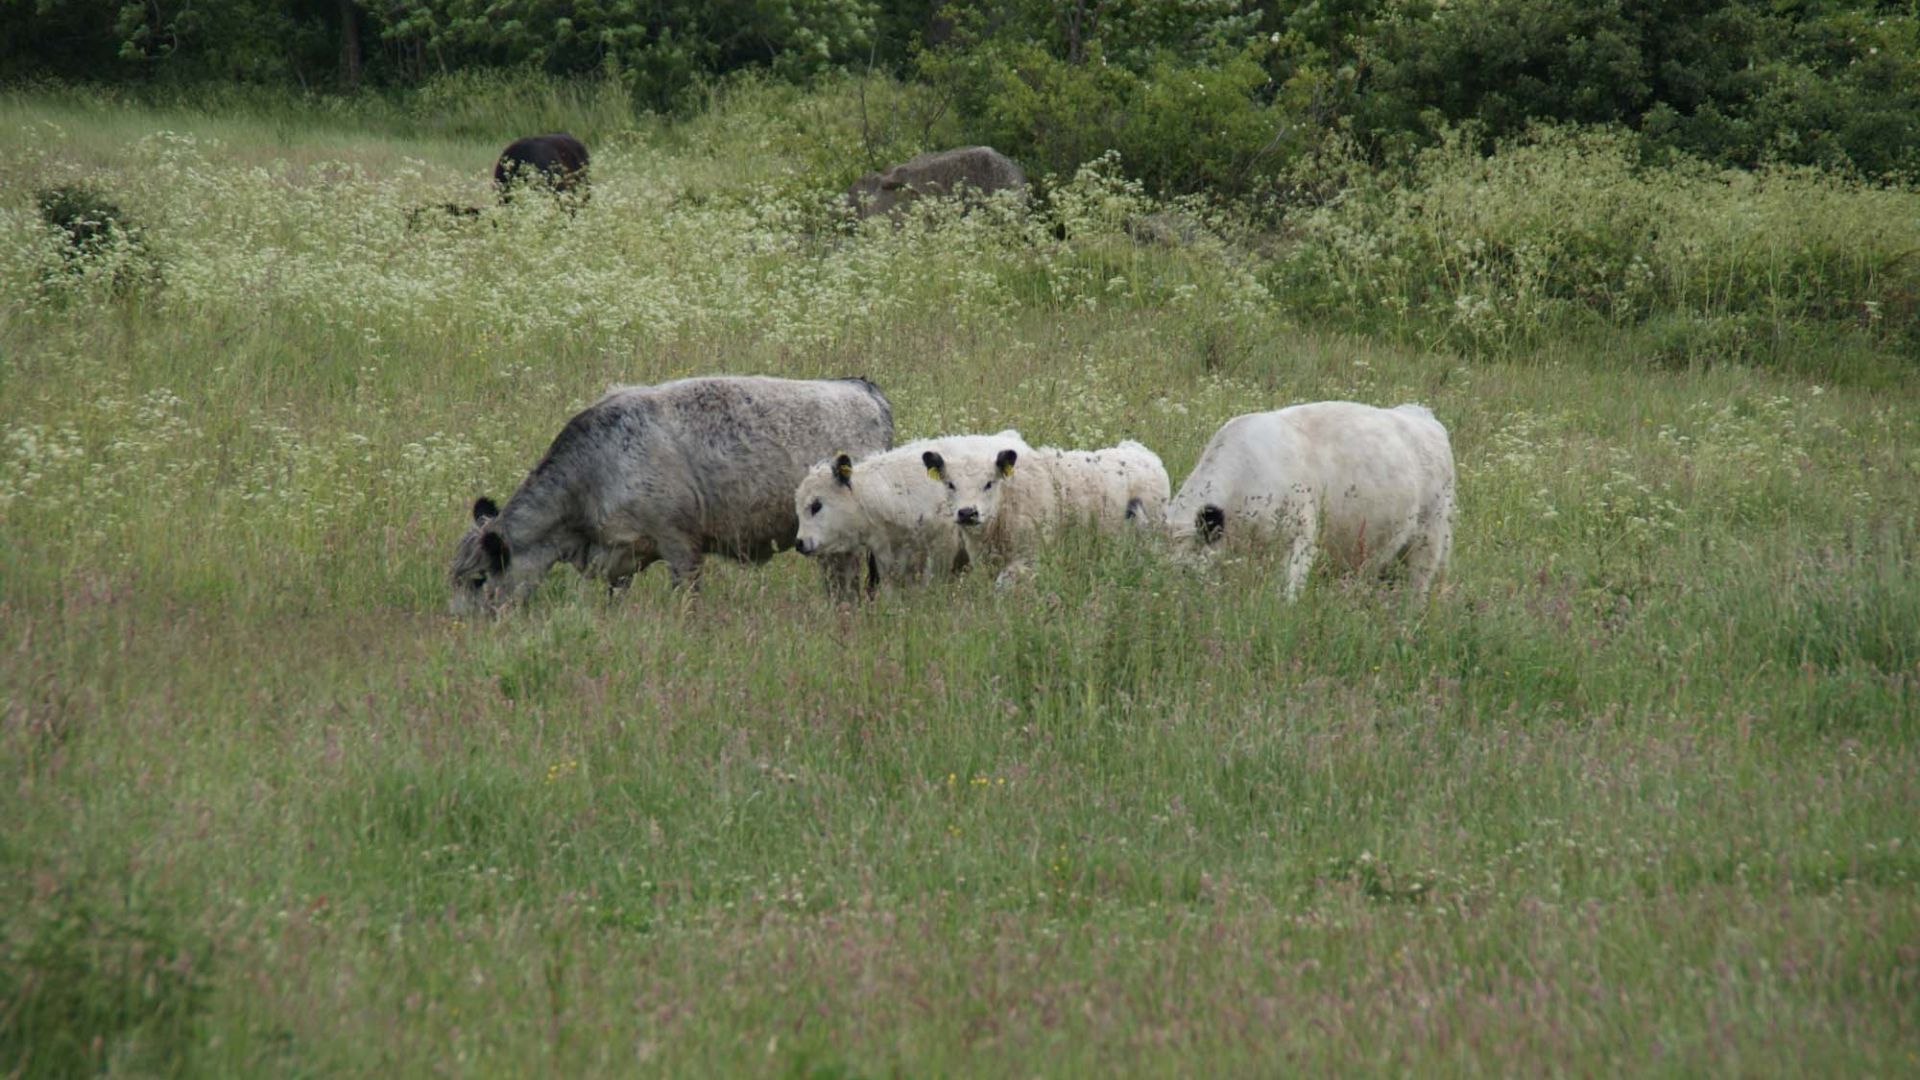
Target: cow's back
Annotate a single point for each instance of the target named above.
(1371, 472)
(981, 170)
(743, 444)
(1090, 484)
(1251, 456)
(556, 158)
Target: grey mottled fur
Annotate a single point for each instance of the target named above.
(982, 170)
(669, 473)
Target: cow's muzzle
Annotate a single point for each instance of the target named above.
(968, 516)
(805, 547)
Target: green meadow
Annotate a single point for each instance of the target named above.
(1635, 792)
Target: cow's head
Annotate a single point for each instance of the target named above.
(880, 193)
(478, 573)
(975, 485)
(832, 519)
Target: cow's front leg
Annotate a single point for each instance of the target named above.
(1299, 564)
(843, 575)
(683, 563)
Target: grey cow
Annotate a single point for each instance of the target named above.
(669, 472)
(979, 170)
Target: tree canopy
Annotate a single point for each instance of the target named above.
(1195, 94)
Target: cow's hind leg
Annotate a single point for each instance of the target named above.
(1427, 561)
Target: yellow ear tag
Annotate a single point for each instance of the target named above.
(935, 474)
(1006, 471)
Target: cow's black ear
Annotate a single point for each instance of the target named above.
(1005, 461)
(1212, 523)
(936, 465)
(499, 556)
(484, 510)
(843, 470)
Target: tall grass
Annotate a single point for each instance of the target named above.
(1634, 793)
(1568, 231)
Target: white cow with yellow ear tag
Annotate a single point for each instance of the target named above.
(1009, 501)
(892, 506)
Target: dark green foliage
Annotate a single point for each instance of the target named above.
(1193, 97)
(1733, 82)
(91, 222)
(661, 49)
(1504, 63)
(99, 237)
(295, 43)
(1178, 126)
(1214, 97)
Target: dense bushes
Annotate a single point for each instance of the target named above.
(1733, 82)
(1568, 228)
(1196, 95)
(1223, 97)
(97, 241)
(660, 48)
(1177, 126)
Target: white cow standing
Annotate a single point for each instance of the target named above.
(885, 505)
(1008, 501)
(1370, 487)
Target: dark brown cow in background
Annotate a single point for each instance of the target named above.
(557, 161)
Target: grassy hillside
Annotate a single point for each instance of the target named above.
(1636, 792)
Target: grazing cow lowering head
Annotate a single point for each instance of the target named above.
(480, 562)
(1363, 489)
(668, 473)
(973, 172)
(557, 162)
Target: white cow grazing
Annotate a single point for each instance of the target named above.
(1371, 487)
(1008, 501)
(885, 505)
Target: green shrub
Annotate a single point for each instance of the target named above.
(98, 242)
(91, 222)
(1179, 125)
(1564, 228)
(820, 138)
(1733, 82)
